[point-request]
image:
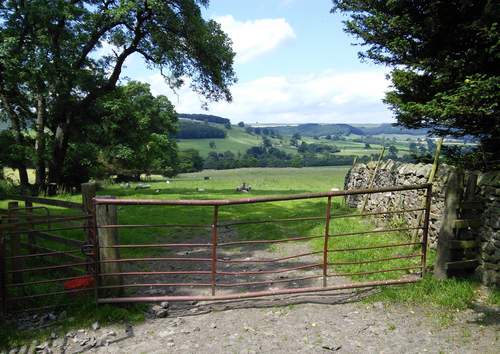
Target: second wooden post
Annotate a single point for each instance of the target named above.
(107, 238)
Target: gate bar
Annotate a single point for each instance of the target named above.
(256, 294)
(219, 202)
(425, 229)
(214, 248)
(325, 242)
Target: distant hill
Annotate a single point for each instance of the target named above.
(388, 128)
(313, 129)
(204, 118)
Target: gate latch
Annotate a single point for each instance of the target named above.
(88, 249)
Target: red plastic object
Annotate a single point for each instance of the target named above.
(79, 283)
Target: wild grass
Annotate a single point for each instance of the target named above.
(451, 294)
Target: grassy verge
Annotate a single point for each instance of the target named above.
(450, 294)
(494, 297)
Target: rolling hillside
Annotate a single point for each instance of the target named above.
(238, 140)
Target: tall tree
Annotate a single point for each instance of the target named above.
(445, 59)
(53, 68)
(136, 135)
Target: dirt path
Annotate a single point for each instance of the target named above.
(308, 274)
(313, 323)
(305, 324)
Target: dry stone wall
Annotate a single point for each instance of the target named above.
(392, 173)
(489, 232)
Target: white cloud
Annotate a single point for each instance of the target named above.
(256, 37)
(325, 97)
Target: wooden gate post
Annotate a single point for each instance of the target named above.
(88, 193)
(15, 242)
(106, 237)
(446, 233)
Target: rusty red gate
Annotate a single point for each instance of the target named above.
(122, 278)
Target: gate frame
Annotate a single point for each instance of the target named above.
(216, 204)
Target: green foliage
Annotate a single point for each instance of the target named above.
(392, 152)
(51, 65)
(13, 154)
(189, 161)
(317, 148)
(192, 130)
(136, 131)
(205, 118)
(82, 164)
(494, 297)
(445, 58)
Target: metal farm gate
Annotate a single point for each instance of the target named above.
(204, 270)
(59, 258)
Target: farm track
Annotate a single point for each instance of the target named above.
(329, 322)
(244, 252)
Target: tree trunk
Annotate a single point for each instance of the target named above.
(23, 177)
(40, 145)
(58, 155)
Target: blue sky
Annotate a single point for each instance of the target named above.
(294, 65)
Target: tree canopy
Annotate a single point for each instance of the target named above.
(445, 59)
(53, 67)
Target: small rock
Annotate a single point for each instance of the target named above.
(70, 334)
(196, 329)
(23, 350)
(159, 312)
(96, 326)
(213, 325)
(51, 317)
(111, 333)
(41, 346)
(170, 344)
(165, 304)
(332, 348)
(13, 351)
(53, 335)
